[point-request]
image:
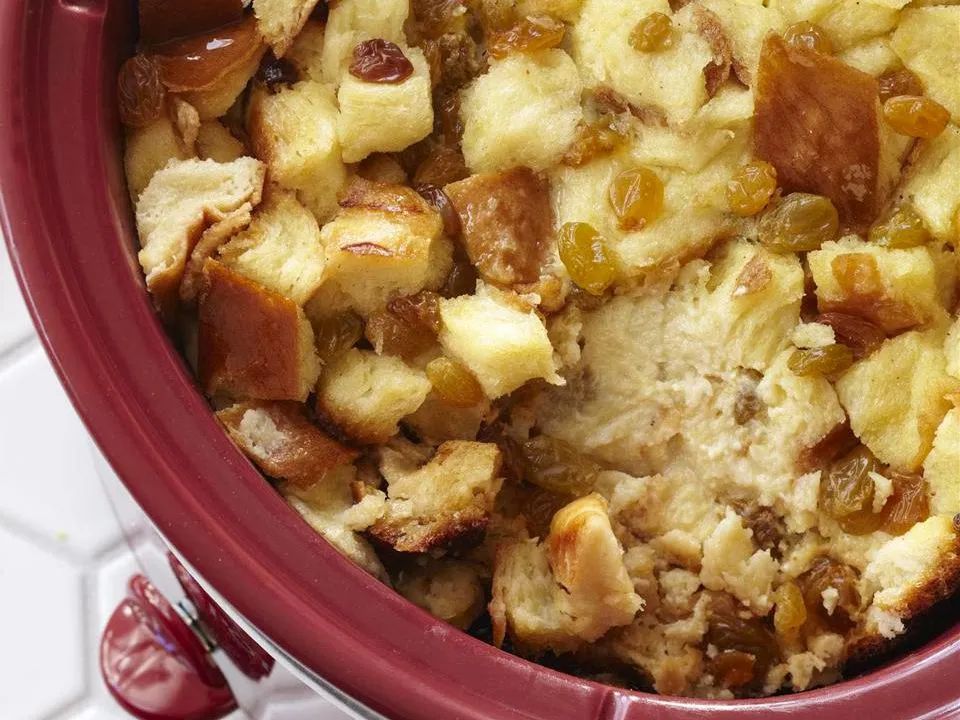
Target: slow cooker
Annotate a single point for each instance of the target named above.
(66, 217)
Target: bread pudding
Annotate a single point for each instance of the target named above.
(623, 335)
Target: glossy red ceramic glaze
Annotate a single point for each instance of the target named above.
(67, 221)
(154, 665)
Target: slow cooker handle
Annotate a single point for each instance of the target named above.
(156, 666)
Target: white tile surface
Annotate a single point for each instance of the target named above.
(64, 564)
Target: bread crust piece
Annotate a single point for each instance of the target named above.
(507, 223)
(280, 21)
(282, 441)
(818, 122)
(446, 501)
(253, 342)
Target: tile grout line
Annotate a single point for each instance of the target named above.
(20, 349)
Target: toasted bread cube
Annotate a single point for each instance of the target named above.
(915, 570)
(181, 201)
(523, 111)
(499, 339)
(450, 590)
(926, 41)
(328, 507)
(941, 469)
(215, 142)
(507, 223)
(353, 21)
(253, 342)
(732, 562)
(587, 561)
(280, 21)
(601, 48)
(282, 441)
(215, 101)
(295, 132)
(366, 394)
(931, 185)
(903, 292)
(385, 117)
(306, 53)
(281, 249)
(895, 398)
(436, 420)
(818, 121)
(571, 589)
(385, 242)
(149, 149)
(448, 500)
(951, 348)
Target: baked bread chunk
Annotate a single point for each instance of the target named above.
(623, 335)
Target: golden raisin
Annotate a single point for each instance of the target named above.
(826, 360)
(857, 333)
(392, 335)
(636, 197)
(534, 32)
(916, 116)
(539, 506)
(140, 92)
(806, 34)
(421, 310)
(733, 668)
(594, 140)
(790, 613)
(554, 465)
(847, 492)
(729, 631)
(441, 203)
(751, 188)
(454, 384)
(857, 274)
(826, 574)
(864, 294)
(653, 33)
(380, 61)
(337, 334)
(799, 223)
(908, 504)
(898, 82)
(463, 276)
(587, 258)
(904, 229)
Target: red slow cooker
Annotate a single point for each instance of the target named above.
(66, 217)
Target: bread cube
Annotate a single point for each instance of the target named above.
(931, 185)
(600, 45)
(917, 569)
(926, 41)
(874, 57)
(306, 53)
(507, 223)
(851, 22)
(353, 21)
(951, 348)
(150, 148)
(280, 21)
(450, 590)
(732, 562)
(895, 398)
(499, 339)
(818, 121)
(215, 142)
(295, 132)
(252, 342)
(181, 201)
(436, 420)
(571, 589)
(448, 500)
(328, 506)
(366, 394)
(523, 111)
(214, 102)
(895, 288)
(385, 242)
(281, 248)
(746, 24)
(941, 469)
(282, 441)
(385, 117)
